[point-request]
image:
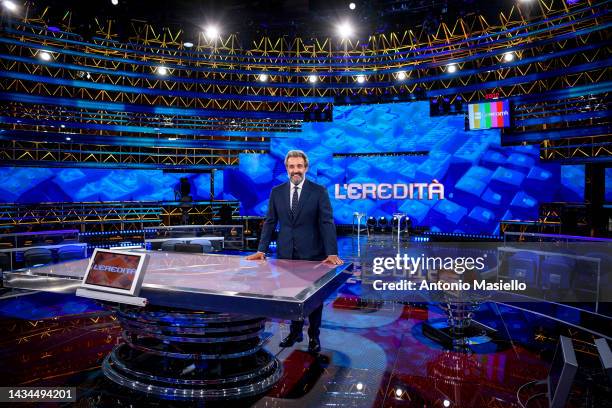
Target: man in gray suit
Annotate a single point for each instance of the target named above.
(307, 232)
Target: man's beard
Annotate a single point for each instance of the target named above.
(300, 178)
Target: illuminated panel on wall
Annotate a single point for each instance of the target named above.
(37, 185)
(489, 115)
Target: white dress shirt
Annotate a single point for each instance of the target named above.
(299, 187)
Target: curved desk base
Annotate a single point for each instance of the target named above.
(189, 355)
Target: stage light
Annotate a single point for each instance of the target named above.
(359, 386)
(212, 32)
(162, 71)
(9, 5)
(398, 392)
(44, 55)
(115, 2)
(509, 57)
(446, 403)
(401, 75)
(361, 79)
(371, 222)
(345, 30)
(63, 126)
(263, 77)
(188, 44)
(312, 78)
(68, 138)
(352, 6)
(451, 68)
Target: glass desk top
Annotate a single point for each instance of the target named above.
(228, 283)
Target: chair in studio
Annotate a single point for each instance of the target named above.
(523, 266)
(206, 244)
(69, 253)
(37, 256)
(189, 248)
(170, 244)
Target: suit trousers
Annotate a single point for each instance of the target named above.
(314, 318)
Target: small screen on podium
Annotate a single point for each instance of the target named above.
(114, 271)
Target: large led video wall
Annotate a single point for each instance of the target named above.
(482, 181)
(36, 185)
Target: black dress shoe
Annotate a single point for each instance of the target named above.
(314, 345)
(291, 339)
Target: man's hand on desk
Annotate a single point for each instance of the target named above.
(257, 256)
(334, 260)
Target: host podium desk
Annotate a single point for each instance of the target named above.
(201, 335)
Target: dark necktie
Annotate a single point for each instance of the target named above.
(294, 201)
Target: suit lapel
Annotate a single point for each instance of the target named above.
(285, 200)
(303, 197)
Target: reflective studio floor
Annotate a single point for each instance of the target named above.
(374, 355)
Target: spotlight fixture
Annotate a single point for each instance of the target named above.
(359, 386)
(212, 32)
(398, 392)
(446, 403)
(345, 30)
(361, 79)
(352, 6)
(68, 138)
(162, 71)
(63, 126)
(451, 68)
(44, 55)
(509, 57)
(9, 5)
(263, 77)
(312, 78)
(401, 75)
(187, 44)
(115, 2)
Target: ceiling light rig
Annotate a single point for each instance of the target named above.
(212, 32)
(45, 56)
(345, 30)
(10, 6)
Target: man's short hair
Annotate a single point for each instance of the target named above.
(296, 153)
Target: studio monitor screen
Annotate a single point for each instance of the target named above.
(489, 115)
